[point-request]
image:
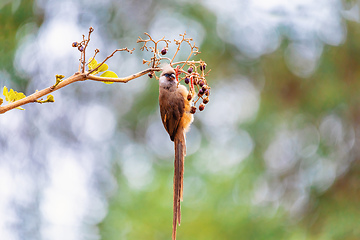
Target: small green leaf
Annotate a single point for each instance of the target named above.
(5, 93)
(109, 74)
(12, 96)
(50, 98)
(103, 67)
(59, 77)
(19, 95)
(92, 64)
(58, 80)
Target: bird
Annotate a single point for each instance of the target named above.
(176, 118)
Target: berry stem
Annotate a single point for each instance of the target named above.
(192, 83)
(177, 73)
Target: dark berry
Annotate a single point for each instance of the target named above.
(163, 51)
(202, 67)
(207, 93)
(80, 48)
(75, 44)
(193, 110)
(190, 69)
(201, 107)
(201, 91)
(206, 100)
(187, 80)
(204, 89)
(201, 83)
(150, 75)
(189, 97)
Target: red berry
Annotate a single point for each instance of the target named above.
(163, 51)
(201, 107)
(193, 110)
(189, 97)
(206, 100)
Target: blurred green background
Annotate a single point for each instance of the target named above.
(273, 156)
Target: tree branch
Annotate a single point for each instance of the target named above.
(74, 78)
(192, 76)
(122, 80)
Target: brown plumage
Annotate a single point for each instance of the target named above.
(176, 117)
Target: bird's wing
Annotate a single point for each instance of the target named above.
(171, 113)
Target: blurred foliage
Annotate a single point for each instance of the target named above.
(222, 207)
(218, 204)
(13, 16)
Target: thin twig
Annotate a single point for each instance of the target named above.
(93, 57)
(155, 60)
(91, 29)
(112, 54)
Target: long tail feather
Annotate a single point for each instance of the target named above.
(179, 144)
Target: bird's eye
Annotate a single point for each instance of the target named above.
(169, 76)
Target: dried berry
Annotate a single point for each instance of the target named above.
(189, 97)
(201, 107)
(207, 93)
(190, 69)
(201, 83)
(193, 110)
(75, 44)
(206, 100)
(187, 80)
(163, 51)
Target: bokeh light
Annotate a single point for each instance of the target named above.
(274, 155)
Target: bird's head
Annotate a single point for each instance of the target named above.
(167, 77)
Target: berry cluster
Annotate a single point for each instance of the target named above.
(195, 75)
(81, 46)
(197, 83)
(78, 45)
